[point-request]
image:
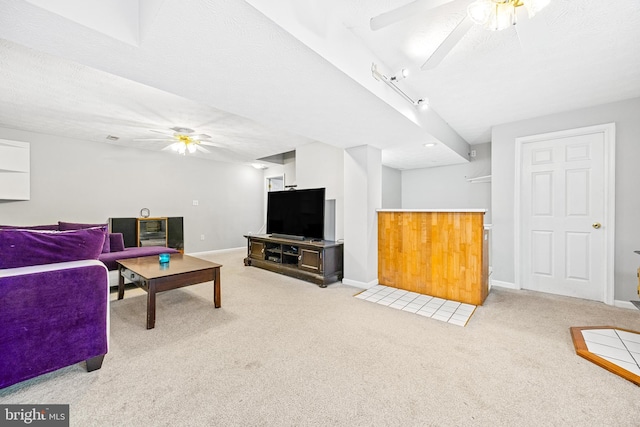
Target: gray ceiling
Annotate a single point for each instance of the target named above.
(265, 78)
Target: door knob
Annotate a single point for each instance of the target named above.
(596, 225)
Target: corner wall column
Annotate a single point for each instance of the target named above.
(362, 197)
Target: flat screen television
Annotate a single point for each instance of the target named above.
(296, 213)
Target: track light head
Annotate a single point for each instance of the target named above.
(400, 75)
(422, 104)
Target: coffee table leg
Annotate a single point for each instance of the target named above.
(217, 303)
(151, 306)
(120, 283)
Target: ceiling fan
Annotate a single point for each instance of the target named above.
(494, 15)
(183, 140)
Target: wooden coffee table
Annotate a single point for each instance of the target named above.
(153, 277)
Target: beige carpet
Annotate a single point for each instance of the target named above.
(285, 352)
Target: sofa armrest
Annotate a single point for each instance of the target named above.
(53, 315)
(22, 271)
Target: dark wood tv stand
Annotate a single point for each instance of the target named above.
(316, 261)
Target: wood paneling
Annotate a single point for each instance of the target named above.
(441, 254)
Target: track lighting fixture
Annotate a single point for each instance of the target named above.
(402, 74)
(390, 81)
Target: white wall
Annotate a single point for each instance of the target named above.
(626, 115)
(79, 181)
(391, 188)
(288, 169)
(322, 165)
(447, 187)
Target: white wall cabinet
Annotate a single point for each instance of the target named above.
(14, 170)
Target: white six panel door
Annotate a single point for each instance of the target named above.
(562, 208)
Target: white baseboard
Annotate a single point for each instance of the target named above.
(624, 304)
(616, 303)
(501, 284)
(358, 284)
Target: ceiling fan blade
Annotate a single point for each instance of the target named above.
(164, 132)
(211, 144)
(182, 130)
(403, 12)
(199, 148)
(448, 44)
(200, 136)
(524, 31)
(169, 147)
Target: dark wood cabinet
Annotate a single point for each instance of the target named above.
(310, 260)
(163, 231)
(256, 250)
(319, 262)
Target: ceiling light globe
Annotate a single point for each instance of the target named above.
(479, 11)
(503, 15)
(192, 148)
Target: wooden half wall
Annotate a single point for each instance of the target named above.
(442, 254)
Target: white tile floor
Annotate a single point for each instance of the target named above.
(444, 310)
(618, 347)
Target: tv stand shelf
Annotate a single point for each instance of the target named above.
(316, 261)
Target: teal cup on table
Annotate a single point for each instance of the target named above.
(164, 258)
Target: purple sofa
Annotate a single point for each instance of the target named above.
(54, 296)
(54, 302)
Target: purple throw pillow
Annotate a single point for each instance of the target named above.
(21, 248)
(66, 226)
(116, 242)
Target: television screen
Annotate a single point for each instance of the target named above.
(298, 213)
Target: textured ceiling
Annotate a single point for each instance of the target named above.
(227, 70)
(50, 95)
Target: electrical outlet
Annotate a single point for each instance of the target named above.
(195, 203)
(202, 237)
(473, 153)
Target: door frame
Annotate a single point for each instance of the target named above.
(609, 132)
(270, 177)
(263, 229)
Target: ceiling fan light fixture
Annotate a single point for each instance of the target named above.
(191, 148)
(502, 16)
(498, 15)
(479, 11)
